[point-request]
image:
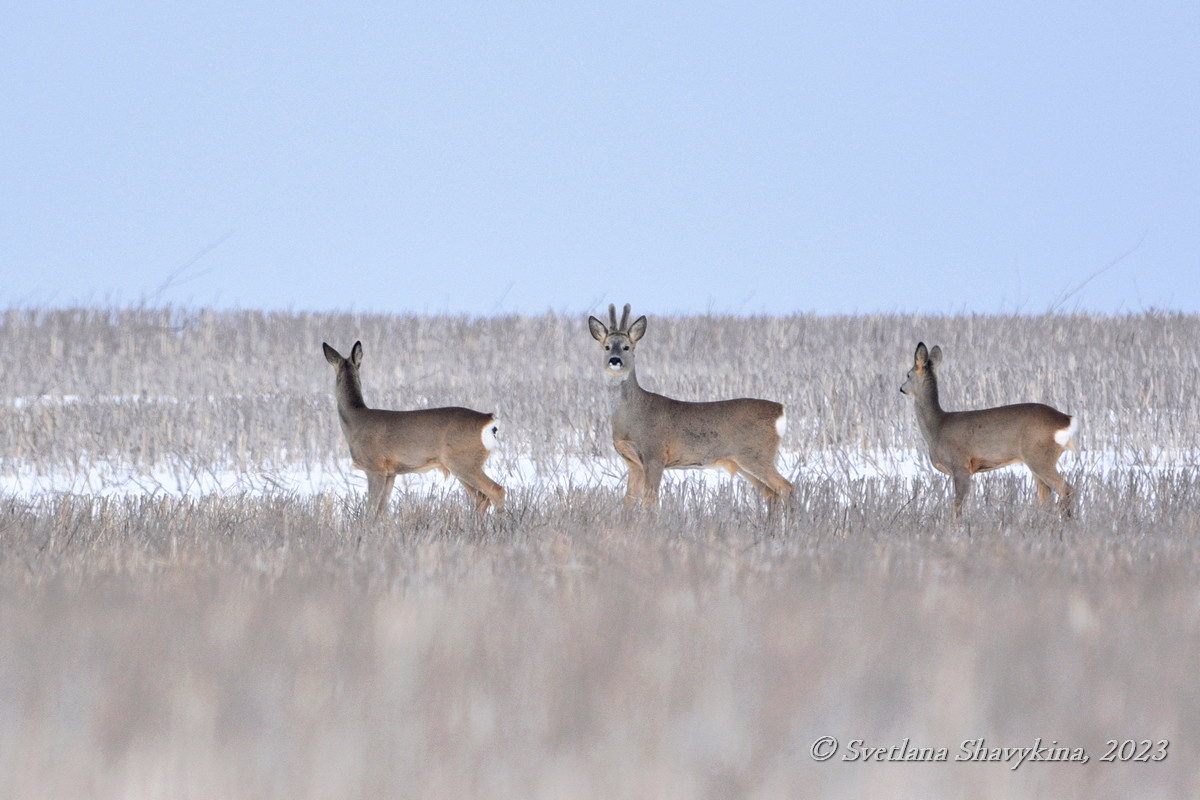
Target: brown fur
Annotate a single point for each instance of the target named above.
(962, 443)
(385, 444)
(652, 432)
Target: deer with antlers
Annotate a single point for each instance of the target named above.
(652, 432)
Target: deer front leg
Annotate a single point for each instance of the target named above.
(654, 473)
(379, 489)
(962, 487)
(637, 473)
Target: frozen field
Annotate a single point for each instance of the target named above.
(524, 475)
(193, 605)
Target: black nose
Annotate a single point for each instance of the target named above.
(614, 362)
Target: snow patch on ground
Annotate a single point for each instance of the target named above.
(519, 472)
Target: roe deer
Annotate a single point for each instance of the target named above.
(962, 443)
(385, 444)
(652, 432)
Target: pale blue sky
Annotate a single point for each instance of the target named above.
(525, 156)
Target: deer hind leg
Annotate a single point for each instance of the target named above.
(485, 490)
(1047, 477)
(637, 473)
(763, 487)
(496, 494)
(765, 469)
(469, 472)
(776, 489)
(781, 486)
(1043, 489)
(763, 475)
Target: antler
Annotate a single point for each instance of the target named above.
(613, 325)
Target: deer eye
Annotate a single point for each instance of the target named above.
(626, 347)
(607, 347)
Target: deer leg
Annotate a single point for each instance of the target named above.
(374, 487)
(1068, 499)
(636, 485)
(481, 500)
(487, 492)
(637, 473)
(467, 467)
(766, 479)
(782, 486)
(748, 471)
(1048, 477)
(483, 489)
(654, 473)
(762, 487)
(962, 487)
(386, 496)
(379, 488)
(495, 494)
(773, 487)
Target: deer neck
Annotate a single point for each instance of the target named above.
(626, 388)
(929, 410)
(349, 395)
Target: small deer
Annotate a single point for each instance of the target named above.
(385, 444)
(652, 432)
(962, 443)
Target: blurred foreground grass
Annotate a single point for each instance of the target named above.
(276, 647)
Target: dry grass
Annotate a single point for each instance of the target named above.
(276, 646)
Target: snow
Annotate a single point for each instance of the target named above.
(516, 471)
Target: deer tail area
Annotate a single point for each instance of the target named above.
(1066, 436)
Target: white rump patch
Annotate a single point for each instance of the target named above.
(1064, 436)
(781, 425)
(489, 435)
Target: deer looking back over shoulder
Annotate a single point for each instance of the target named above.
(652, 432)
(385, 444)
(962, 443)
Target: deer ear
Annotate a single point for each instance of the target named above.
(331, 355)
(638, 329)
(921, 356)
(597, 329)
(935, 355)
(356, 354)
